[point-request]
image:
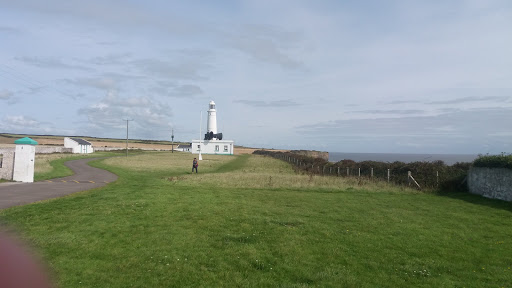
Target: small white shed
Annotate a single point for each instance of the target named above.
(184, 147)
(78, 145)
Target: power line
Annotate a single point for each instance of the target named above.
(30, 82)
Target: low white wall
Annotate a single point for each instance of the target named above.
(99, 148)
(52, 149)
(493, 183)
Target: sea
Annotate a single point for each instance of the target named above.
(448, 159)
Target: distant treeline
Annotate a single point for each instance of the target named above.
(432, 175)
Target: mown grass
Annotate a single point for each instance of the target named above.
(160, 225)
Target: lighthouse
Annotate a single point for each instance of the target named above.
(212, 119)
(212, 142)
(211, 124)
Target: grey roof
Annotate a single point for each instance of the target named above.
(81, 141)
(185, 146)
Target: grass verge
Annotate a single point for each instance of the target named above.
(161, 226)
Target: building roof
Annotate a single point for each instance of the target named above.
(81, 141)
(25, 140)
(185, 146)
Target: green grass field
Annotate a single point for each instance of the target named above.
(250, 221)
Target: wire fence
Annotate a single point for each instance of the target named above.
(430, 175)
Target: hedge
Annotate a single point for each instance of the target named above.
(494, 161)
(434, 174)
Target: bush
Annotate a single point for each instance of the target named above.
(494, 161)
(451, 178)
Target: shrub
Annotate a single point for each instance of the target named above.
(494, 161)
(451, 178)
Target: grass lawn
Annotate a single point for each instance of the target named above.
(250, 221)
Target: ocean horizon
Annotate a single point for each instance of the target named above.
(448, 159)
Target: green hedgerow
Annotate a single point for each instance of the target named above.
(494, 161)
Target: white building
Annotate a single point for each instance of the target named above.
(78, 145)
(184, 148)
(213, 142)
(225, 147)
(18, 163)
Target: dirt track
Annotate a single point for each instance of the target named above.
(85, 178)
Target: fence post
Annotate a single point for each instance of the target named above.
(359, 172)
(437, 178)
(409, 178)
(348, 171)
(338, 171)
(388, 175)
(371, 173)
(330, 170)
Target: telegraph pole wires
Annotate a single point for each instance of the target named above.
(127, 120)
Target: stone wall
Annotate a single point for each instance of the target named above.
(101, 148)
(313, 154)
(493, 183)
(7, 167)
(52, 149)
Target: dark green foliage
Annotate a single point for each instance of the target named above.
(431, 175)
(494, 161)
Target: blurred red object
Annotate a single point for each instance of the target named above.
(18, 267)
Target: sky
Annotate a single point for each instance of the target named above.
(338, 76)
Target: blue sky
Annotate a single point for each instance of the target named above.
(345, 76)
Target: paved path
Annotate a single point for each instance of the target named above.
(85, 178)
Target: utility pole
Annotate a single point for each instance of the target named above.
(172, 137)
(127, 120)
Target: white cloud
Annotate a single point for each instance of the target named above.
(455, 132)
(149, 116)
(9, 97)
(266, 44)
(20, 121)
(5, 94)
(188, 69)
(50, 63)
(270, 104)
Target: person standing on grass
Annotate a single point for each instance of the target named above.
(194, 165)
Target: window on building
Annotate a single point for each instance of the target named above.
(225, 148)
(216, 148)
(1, 160)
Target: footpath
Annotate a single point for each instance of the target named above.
(85, 178)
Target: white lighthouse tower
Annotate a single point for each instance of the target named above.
(212, 142)
(212, 120)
